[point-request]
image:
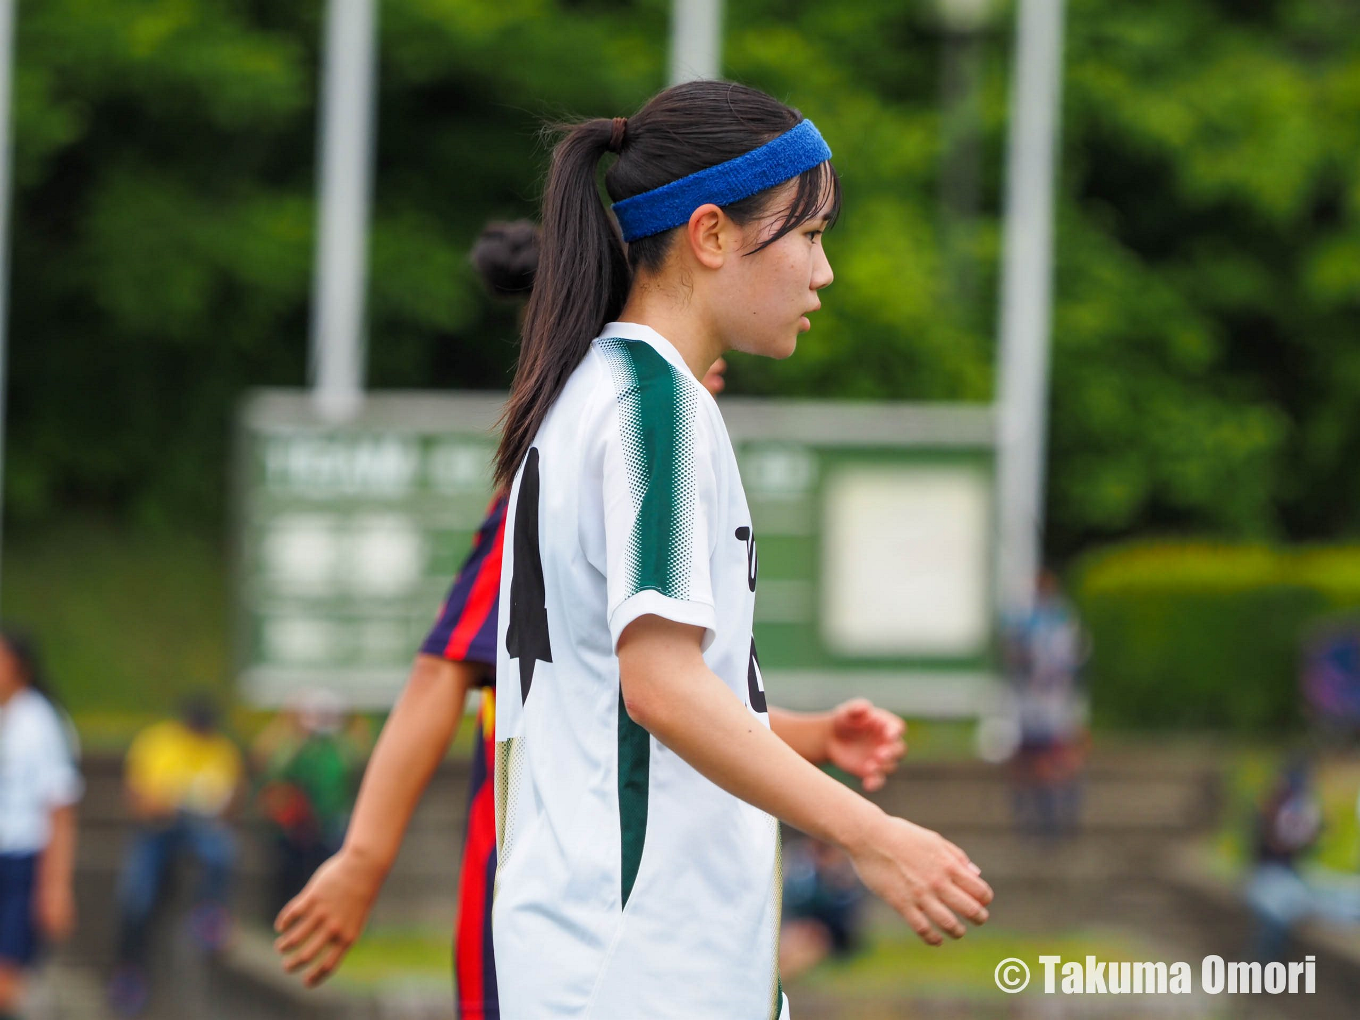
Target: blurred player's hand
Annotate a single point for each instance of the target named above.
(865, 741)
(319, 924)
(924, 877)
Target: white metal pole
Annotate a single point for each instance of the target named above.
(6, 157)
(1026, 298)
(696, 40)
(345, 184)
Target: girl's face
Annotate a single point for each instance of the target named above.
(766, 297)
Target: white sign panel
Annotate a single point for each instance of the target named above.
(905, 568)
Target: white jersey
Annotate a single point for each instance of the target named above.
(628, 886)
(37, 772)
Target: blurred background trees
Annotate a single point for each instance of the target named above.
(1206, 372)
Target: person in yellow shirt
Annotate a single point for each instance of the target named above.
(182, 777)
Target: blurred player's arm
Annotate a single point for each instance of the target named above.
(56, 905)
(331, 911)
(670, 691)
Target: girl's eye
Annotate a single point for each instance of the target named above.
(814, 234)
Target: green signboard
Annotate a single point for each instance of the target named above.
(873, 526)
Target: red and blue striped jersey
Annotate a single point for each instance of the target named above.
(466, 632)
(474, 960)
(466, 628)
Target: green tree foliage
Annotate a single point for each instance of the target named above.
(1208, 279)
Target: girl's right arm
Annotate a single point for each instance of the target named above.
(670, 691)
(332, 909)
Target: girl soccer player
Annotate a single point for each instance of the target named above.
(637, 775)
(638, 781)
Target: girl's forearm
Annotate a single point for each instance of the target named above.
(413, 741)
(669, 691)
(805, 732)
(58, 859)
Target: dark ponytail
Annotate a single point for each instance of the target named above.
(584, 271)
(580, 284)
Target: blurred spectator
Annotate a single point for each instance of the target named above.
(1285, 828)
(1287, 824)
(1044, 653)
(182, 778)
(822, 896)
(307, 758)
(39, 788)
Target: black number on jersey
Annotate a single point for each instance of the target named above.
(755, 683)
(526, 636)
(744, 535)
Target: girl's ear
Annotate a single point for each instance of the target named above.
(712, 236)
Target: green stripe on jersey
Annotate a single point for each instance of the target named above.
(634, 766)
(656, 424)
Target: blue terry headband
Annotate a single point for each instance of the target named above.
(778, 160)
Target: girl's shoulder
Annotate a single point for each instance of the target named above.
(639, 380)
(34, 708)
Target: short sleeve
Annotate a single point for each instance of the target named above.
(660, 495)
(465, 630)
(59, 780)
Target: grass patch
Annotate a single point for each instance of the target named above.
(904, 965)
(129, 621)
(385, 956)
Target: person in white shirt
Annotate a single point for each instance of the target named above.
(39, 789)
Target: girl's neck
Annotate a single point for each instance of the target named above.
(680, 323)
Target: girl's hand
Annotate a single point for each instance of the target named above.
(865, 741)
(55, 910)
(319, 924)
(924, 877)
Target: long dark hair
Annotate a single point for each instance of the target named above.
(584, 270)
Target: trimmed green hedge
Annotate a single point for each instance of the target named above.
(1203, 636)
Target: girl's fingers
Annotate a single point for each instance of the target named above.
(973, 886)
(921, 926)
(956, 853)
(963, 904)
(307, 953)
(328, 963)
(302, 928)
(289, 913)
(944, 918)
